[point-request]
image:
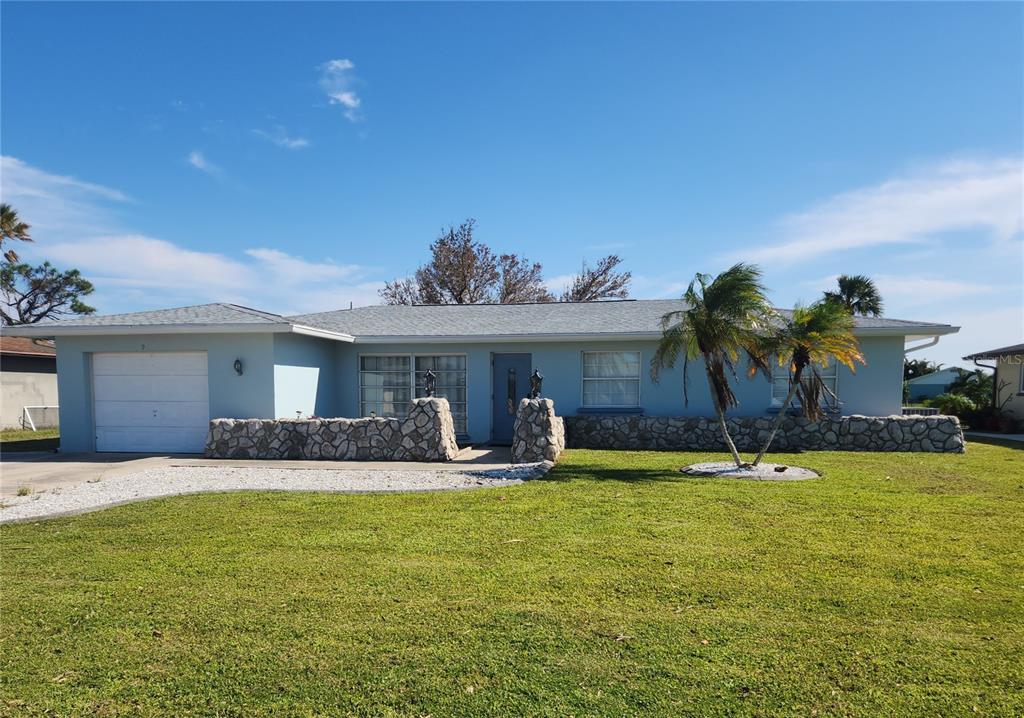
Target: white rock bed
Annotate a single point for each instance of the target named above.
(176, 480)
(761, 472)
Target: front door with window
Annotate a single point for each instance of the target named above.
(510, 377)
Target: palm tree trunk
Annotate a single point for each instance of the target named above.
(720, 411)
(781, 415)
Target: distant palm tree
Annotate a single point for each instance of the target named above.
(858, 294)
(11, 228)
(723, 317)
(809, 336)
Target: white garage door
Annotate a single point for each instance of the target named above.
(151, 402)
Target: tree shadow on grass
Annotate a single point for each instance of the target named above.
(993, 441)
(617, 467)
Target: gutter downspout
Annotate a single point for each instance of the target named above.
(930, 343)
(995, 381)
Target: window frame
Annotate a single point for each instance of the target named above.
(412, 376)
(584, 379)
(777, 403)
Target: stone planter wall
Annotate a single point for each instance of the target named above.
(847, 433)
(539, 435)
(427, 434)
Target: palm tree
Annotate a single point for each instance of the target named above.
(809, 336)
(11, 227)
(723, 318)
(858, 294)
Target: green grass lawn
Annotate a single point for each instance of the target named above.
(892, 586)
(28, 434)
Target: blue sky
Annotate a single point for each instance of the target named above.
(293, 157)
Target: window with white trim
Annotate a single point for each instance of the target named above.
(385, 385)
(611, 379)
(829, 376)
(388, 383)
(450, 382)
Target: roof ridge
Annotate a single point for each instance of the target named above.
(244, 309)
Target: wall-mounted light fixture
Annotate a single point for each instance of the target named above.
(238, 367)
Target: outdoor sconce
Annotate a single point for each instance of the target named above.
(238, 367)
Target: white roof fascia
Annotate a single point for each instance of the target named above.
(321, 333)
(55, 330)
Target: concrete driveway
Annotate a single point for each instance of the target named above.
(43, 471)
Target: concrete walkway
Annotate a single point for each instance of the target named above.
(992, 435)
(42, 471)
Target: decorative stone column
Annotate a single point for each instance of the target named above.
(539, 435)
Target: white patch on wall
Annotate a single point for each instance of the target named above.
(295, 390)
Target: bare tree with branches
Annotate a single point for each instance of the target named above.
(603, 281)
(463, 270)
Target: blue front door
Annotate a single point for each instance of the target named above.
(510, 377)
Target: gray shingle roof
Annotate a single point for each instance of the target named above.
(199, 314)
(474, 320)
(995, 353)
(640, 317)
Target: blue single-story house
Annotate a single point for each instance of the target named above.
(151, 381)
(929, 386)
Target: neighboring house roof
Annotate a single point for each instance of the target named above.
(23, 346)
(622, 319)
(996, 353)
(939, 378)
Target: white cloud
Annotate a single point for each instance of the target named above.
(559, 283)
(279, 136)
(134, 271)
(21, 180)
(52, 203)
(337, 78)
(910, 290)
(199, 161)
(951, 196)
(998, 325)
(297, 269)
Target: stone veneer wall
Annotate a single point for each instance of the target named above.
(847, 433)
(426, 434)
(538, 435)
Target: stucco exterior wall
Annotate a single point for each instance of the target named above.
(26, 381)
(1008, 370)
(248, 396)
(305, 377)
(875, 389)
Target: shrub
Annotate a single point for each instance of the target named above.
(953, 404)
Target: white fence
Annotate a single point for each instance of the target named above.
(39, 417)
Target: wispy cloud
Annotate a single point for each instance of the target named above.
(952, 196)
(280, 137)
(199, 161)
(337, 79)
(21, 180)
(132, 270)
(53, 202)
(909, 290)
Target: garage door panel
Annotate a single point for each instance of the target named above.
(150, 364)
(150, 401)
(163, 414)
(151, 388)
(150, 439)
